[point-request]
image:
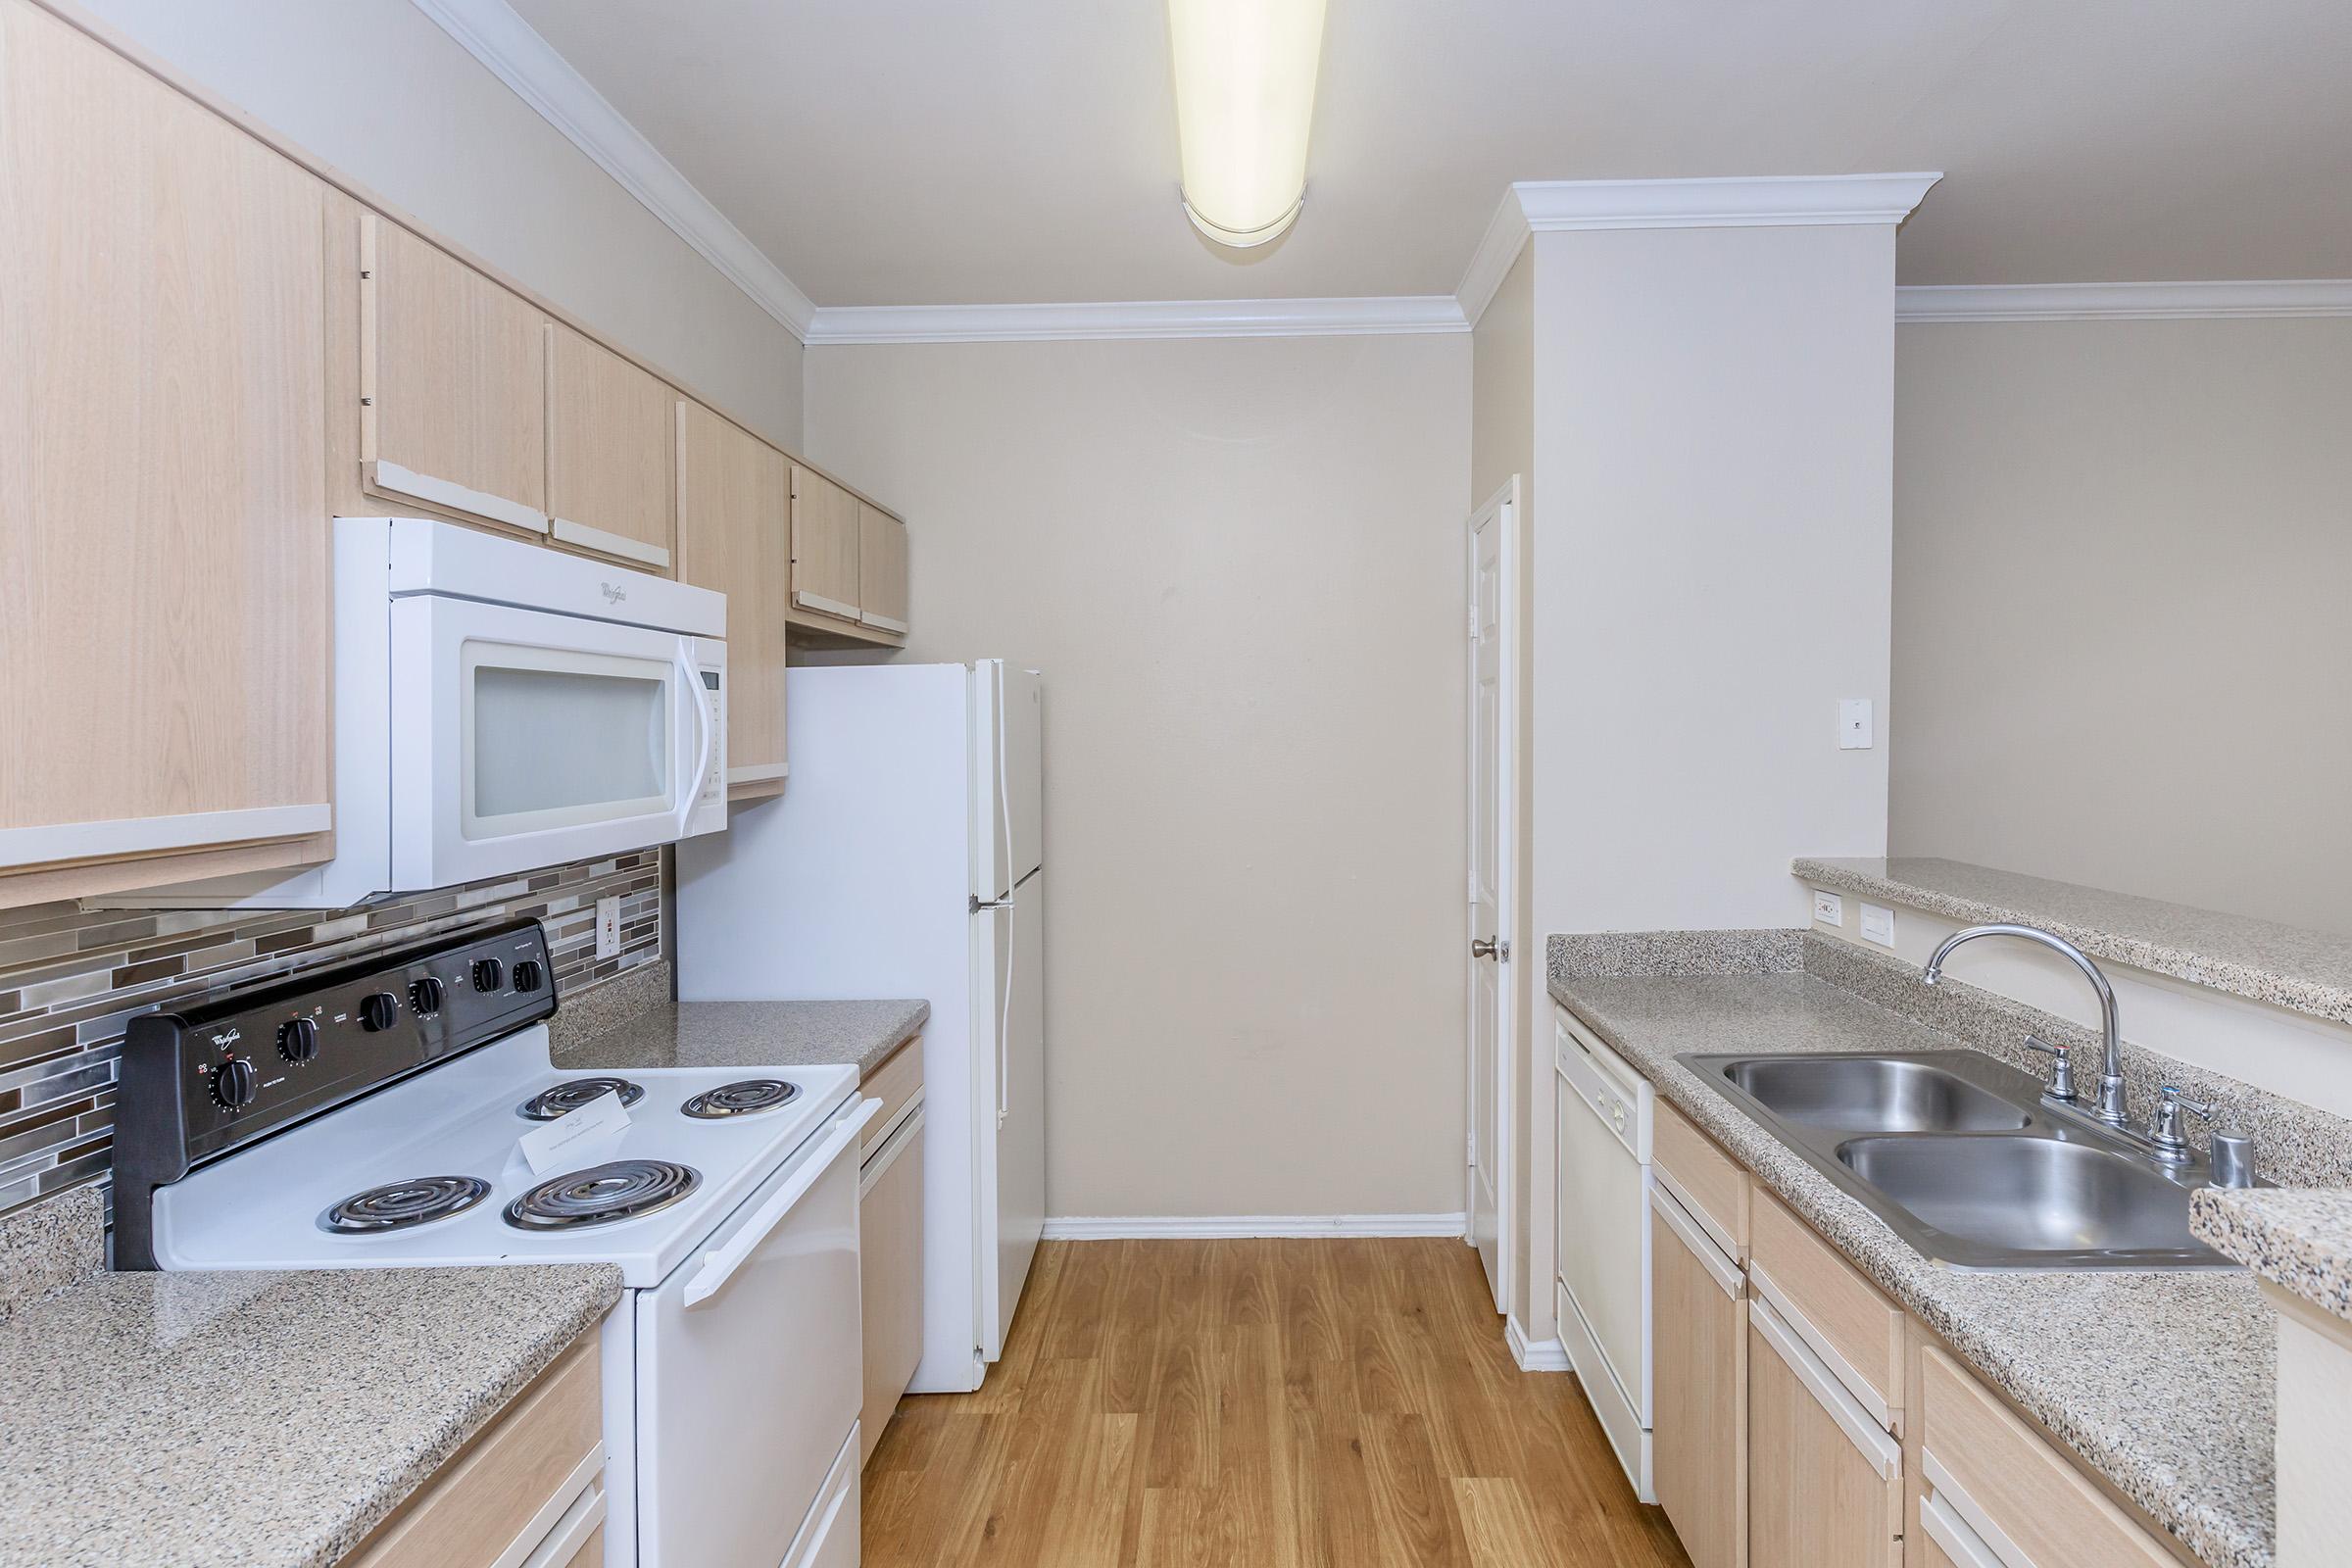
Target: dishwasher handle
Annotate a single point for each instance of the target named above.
(1616, 1110)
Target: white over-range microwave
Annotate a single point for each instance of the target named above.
(502, 707)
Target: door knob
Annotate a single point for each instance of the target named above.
(1489, 947)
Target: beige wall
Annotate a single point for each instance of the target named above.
(1709, 574)
(375, 88)
(1239, 564)
(1713, 449)
(2123, 650)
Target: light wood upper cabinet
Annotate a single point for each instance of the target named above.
(609, 446)
(452, 383)
(733, 509)
(1698, 1386)
(825, 540)
(881, 569)
(163, 638)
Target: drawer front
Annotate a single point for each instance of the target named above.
(894, 1083)
(490, 1496)
(2013, 1490)
(1710, 1185)
(1840, 1315)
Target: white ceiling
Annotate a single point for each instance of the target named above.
(897, 152)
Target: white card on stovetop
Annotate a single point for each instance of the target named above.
(562, 1144)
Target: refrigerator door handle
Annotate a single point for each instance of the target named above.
(979, 903)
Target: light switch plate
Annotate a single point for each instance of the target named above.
(1877, 925)
(1853, 724)
(607, 927)
(1827, 907)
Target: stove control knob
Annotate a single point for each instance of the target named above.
(378, 1011)
(488, 974)
(234, 1084)
(298, 1040)
(426, 994)
(528, 974)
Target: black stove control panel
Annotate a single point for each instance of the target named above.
(200, 1082)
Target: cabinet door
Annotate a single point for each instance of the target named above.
(881, 569)
(1823, 1482)
(890, 1242)
(824, 546)
(452, 383)
(1698, 1387)
(732, 509)
(164, 652)
(609, 446)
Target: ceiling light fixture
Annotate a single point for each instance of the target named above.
(1244, 93)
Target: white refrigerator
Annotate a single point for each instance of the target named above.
(903, 859)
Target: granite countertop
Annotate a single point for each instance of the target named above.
(2300, 1240)
(207, 1420)
(2287, 966)
(749, 1034)
(2162, 1382)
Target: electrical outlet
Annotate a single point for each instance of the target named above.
(1877, 925)
(1827, 907)
(607, 927)
(1853, 724)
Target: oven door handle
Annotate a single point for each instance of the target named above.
(706, 734)
(720, 1263)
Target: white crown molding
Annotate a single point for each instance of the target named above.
(1090, 1227)
(1497, 249)
(2124, 301)
(1373, 316)
(1534, 1355)
(1766, 201)
(491, 33)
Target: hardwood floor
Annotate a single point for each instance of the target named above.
(1290, 1403)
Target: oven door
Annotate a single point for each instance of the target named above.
(749, 1368)
(522, 739)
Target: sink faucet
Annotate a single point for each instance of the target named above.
(2110, 1105)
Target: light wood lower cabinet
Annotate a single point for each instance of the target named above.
(527, 1491)
(163, 638)
(2020, 1502)
(1824, 1480)
(1698, 1386)
(890, 1242)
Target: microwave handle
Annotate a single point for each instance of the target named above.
(692, 678)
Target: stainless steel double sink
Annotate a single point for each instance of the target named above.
(1958, 1154)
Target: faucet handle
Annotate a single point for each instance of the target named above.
(2164, 1127)
(2062, 1069)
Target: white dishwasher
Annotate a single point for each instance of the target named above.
(1604, 1238)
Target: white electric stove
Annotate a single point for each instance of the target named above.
(375, 1117)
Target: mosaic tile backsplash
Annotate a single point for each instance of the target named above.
(70, 982)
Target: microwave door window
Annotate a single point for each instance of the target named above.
(557, 740)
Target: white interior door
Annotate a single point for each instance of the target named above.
(1493, 832)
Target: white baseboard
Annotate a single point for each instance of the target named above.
(1534, 1355)
(1106, 1228)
